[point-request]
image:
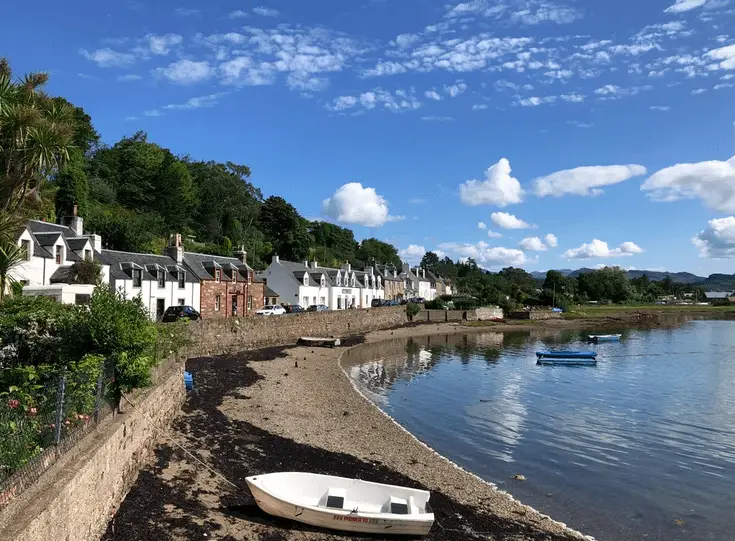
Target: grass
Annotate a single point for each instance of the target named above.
(591, 310)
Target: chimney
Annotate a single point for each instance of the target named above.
(175, 249)
(423, 273)
(243, 254)
(347, 267)
(275, 259)
(96, 242)
(306, 263)
(74, 222)
(406, 268)
(314, 264)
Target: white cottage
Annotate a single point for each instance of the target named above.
(298, 283)
(158, 280)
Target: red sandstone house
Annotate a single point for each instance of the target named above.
(228, 285)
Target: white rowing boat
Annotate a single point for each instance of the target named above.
(343, 504)
(604, 337)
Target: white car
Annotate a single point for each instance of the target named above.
(274, 310)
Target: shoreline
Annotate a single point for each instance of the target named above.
(294, 408)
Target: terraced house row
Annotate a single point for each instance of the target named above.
(216, 286)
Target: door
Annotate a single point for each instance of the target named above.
(160, 308)
(234, 305)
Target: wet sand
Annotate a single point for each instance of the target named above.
(293, 408)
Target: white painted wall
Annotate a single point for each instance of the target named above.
(150, 293)
(425, 290)
(63, 293)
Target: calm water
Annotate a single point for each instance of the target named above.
(642, 446)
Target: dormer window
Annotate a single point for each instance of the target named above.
(88, 255)
(306, 279)
(250, 277)
(339, 280)
(161, 278)
(234, 275)
(218, 275)
(324, 282)
(59, 255)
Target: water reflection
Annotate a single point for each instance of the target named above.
(626, 448)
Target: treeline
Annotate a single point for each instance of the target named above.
(513, 287)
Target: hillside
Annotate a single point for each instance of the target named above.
(715, 281)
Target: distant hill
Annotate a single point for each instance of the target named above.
(715, 281)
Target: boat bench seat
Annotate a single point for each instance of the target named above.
(336, 498)
(399, 506)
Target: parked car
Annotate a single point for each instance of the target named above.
(318, 308)
(293, 308)
(274, 310)
(180, 313)
(376, 303)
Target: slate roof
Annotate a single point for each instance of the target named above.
(716, 294)
(270, 293)
(118, 260)
(198, 263)
(46, 234)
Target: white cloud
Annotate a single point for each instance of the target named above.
(199, 102)
(533, 244)
(585, 181)
(698, 91)
(479, 107)
(499, 187)
(266, 11)
(107, 58)
(607, 89)
(187, 12)
(599, 249)
(726, 56)
(481, 225)
(485, 255)
(456, 89)
(662, 108)
(551, 240)
(433, 95)
(684, 5)
(129, 77)
(573, 97)
(494, 235)
(580, 124)
(238, 14)
(509, 221)
(353, 204)
(161, 45)
(718, 240)
(186, 72)
(713, 182)
(535, 101)
(437, 118)
(412, 255)
(398, 102)
(153, 112)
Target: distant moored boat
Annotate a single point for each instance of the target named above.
(604, 337)
(567, 357)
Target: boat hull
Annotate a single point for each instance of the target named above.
(567, 362)
(340, 520)
(605, 338)
(566, 354)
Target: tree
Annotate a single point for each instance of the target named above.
(35, 136)
(332, 243)
(72, 186)
(608, 284)
(86, 138)
(430, 261)
(285, 229)
(374, 251)
(11, 256)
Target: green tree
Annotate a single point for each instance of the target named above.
(72, 187)
(430, 261)
(86, 138)
(608, 284)
(35, 136)
(376, 251)
(11, 256)
(332, 243)
(285, 229)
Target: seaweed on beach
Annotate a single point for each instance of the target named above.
(238, 449)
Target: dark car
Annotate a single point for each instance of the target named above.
(318, 308)
(294, 308)
(178, 313)
(376, 303)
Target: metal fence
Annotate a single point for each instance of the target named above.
(39, 423)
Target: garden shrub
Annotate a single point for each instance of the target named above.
(412, 309)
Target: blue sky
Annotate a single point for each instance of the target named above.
(533, 133)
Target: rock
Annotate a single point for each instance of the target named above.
(345, 413)
(296, 364)
(519, 477)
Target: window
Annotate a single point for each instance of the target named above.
(88, 255)
(182, 302)
(324, 283)
(339, 303)
(137, 277)
(250, 302)
(81, 298)
(306, 279)
(250, 278)
(313, 300)
(25, 245)
(322, 300)
(339, 280)
(161, 278)
(182, 279)
(217, 277)
(306, 302)
(59, 255)
(234, 275)
(217, 303)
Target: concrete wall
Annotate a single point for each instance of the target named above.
(536, 315)
(488, 314)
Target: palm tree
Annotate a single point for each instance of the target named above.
(11, 255)
(36, 133)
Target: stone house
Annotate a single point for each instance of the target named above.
(392, 283)
(159, 281)
(51, 250)
(410, 282)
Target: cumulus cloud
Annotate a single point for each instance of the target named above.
(573, 97)
(662, 108)
(455, 90)
(533, 244)
(499, 187)
(108, 58)
(238, 14)
(713, 182)
(485, 255)
(724, 55)
(397, 102)
(509, 221)
(186, 72)
(585, 181)
(535, 101)
(161, 45)
(494, 235)
(412, 255)
(433, 95)
(481, 225)
(718, 240)
(551, 240)
(353, 204)
(197, 103)
(266, 11)
(684, 5)
(600, 249)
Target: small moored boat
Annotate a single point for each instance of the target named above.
(345, 504)
(604, 337)
(566, 354)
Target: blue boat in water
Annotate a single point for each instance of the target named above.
(567, 357)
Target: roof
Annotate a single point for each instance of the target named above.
(717, 294)
(148, 262)
(37, 226)
(46, 234)
(270, 293)
(198, 263)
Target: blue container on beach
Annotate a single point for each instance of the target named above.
(188, 381)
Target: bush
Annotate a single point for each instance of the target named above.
(436, 304)
(412, 309)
